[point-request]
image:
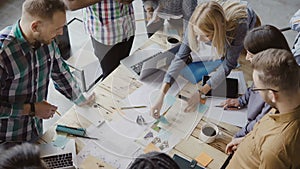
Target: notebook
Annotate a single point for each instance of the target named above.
(65, 157)
(148, 61)
(228, 88)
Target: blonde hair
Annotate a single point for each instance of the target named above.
(218, 20)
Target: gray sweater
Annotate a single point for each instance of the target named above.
(230, 58)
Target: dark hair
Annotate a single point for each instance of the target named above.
(24, 156)
(154, 160)
(265, 37)
(44, 9)
(277, 69)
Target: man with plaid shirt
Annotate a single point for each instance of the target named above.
(111, 26)
(28, 59)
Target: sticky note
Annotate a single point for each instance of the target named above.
(163, 120)
(203, 159)
(169, 100)
(60, 141)
(151, 147)
(202, 108)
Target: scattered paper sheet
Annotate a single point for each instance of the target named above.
(236, 117)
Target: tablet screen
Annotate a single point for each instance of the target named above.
(228, 88)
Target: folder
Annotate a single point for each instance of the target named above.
(196, 70)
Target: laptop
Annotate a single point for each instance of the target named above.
(143, 63)
(57, 157)
(228, 88)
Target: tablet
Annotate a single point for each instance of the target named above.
(228, 88)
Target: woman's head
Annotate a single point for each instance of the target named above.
(211, 22)
(24, 156)
(262, 38)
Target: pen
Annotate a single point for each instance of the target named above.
(133, 107)
(87, 137)
(232, 108)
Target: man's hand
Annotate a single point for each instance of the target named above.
(231, 104)
(90, 101)
(44, 110)
(233, 145)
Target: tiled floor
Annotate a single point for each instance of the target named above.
(275, 12)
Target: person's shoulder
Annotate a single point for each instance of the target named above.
(6, 37)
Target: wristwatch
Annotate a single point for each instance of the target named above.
(32, 110)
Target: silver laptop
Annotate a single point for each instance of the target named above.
(146, 62)
(59, 158)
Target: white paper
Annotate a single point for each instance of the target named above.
(112, 141)
(90, 113)
(234, 117)
(94, 150)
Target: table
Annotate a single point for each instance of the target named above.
(120, 84)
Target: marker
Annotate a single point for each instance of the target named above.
(133, 107)
(183, 97)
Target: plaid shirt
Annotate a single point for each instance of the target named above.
(24, 78)
(109, 22)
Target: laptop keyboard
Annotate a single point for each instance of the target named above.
(58, 161)
(137, 68)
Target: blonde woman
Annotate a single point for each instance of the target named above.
(224, 26)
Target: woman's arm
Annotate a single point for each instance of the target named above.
(231, 57)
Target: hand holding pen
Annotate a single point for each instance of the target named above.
(44, 110)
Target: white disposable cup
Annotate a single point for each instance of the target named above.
(208, 138)
(172, 41)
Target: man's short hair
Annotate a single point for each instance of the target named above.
(277, 69)
(154, 160)
(44, 9)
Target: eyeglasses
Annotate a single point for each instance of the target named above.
(253, 89)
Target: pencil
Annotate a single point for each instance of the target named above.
(133, 107)
(57, 112)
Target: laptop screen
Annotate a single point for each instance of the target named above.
(228, 88)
